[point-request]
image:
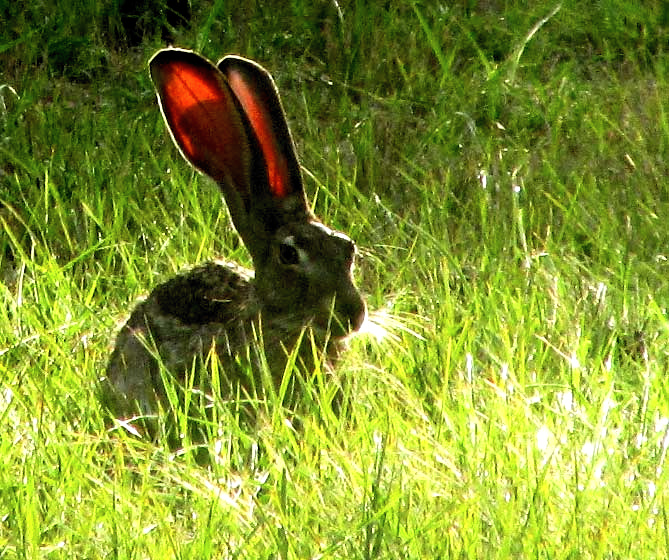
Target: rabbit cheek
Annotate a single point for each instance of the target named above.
(282, 290)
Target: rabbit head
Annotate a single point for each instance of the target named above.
(227, 120)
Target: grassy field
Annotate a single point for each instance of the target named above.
(503, 168)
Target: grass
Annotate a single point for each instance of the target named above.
(502, 167)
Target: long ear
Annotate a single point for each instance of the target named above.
(206, 123)
(256, 93)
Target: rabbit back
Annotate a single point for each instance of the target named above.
(211, 306)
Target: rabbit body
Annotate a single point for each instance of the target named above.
(228, 122)
(182, 319)
(220, 307)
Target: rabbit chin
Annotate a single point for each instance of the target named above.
(337, 327)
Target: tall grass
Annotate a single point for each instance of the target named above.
(502, 167)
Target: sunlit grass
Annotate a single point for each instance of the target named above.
(504, 176)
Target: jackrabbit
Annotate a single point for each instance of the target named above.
(228, 122)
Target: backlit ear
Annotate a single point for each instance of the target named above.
(202, 116)
(256, 93)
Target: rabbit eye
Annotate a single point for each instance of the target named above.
(288, 254)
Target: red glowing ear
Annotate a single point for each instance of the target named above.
(255, 90)
(203, 117)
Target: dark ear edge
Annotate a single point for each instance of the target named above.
(259, 98)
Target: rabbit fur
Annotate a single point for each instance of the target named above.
(227, 121)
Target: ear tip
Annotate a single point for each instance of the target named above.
(173, 55)
(231, 59)
(234, 62)
(164, 55)
(160, 60)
